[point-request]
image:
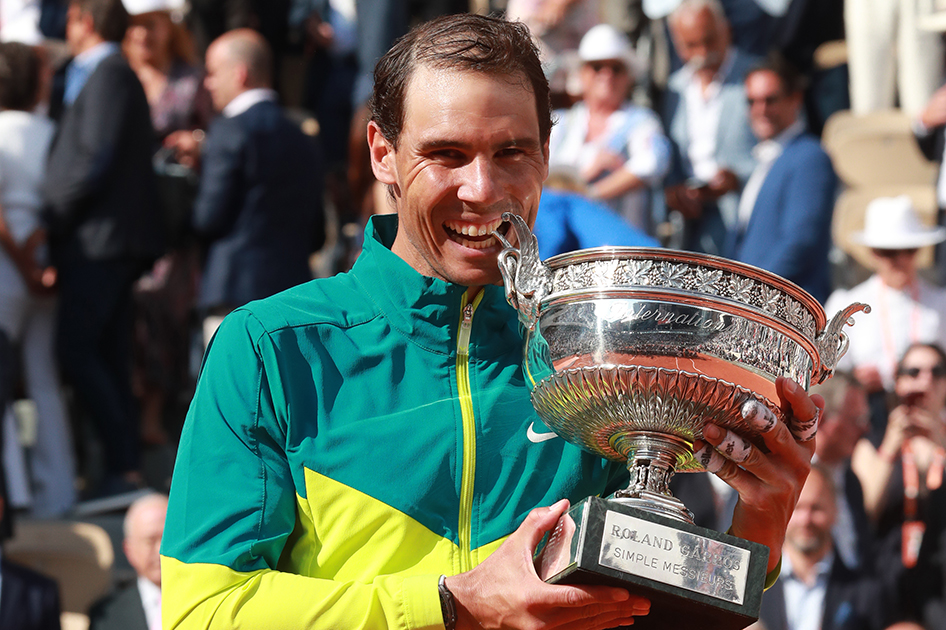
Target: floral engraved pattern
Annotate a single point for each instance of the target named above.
(672, 275)
(742, 289)
(697, 278)
(770, 299)
(640, 272)
(604, 271)
(706, 280)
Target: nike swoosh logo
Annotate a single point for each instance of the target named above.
(538, 438)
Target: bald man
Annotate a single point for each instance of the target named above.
(259, 206)
(137, 606)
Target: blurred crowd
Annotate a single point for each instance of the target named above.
(163, 162)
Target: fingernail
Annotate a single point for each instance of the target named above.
(642, 606)
(791, 385)
(712, 432)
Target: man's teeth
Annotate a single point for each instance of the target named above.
(469, 229)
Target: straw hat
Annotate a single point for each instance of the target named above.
(893, 223)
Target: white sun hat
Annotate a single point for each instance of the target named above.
(139, 7)
(604, 42)
(893, 223)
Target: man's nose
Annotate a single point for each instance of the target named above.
(480, 182)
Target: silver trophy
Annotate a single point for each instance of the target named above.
(628, 353)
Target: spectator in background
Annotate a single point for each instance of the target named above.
(929, 129)
(846, 419)
(900, 473)
(27, 281)
(30, 600)
(138, 605)
(259, 206)
(816, 589)
(892, 60)
(614, 149)
(160, 51)
(567, 221)
(706, 117)
(906, 309)
(784, 219)
(104, 225)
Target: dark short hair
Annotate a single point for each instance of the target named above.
(793, 82)
(464, 41)
(109, 17)
(19, 76)
(935, 347)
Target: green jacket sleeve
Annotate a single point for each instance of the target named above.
(233, 507)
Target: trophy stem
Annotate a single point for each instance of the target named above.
(651, 460)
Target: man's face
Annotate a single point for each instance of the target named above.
(605, 83)
(143, 543)
(839, 432)
(224, 78)
(809, 528)
(78, 28)
(771, 110)
(701, 39)
(469, 150)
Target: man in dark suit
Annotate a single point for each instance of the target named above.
(816, 589)
(259, 205)
(28, 600)
(104, 225)
(138, 605)
(784, 218)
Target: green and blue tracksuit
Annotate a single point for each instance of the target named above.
(350, 440)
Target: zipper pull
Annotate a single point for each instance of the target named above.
(467, 317)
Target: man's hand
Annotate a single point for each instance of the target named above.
(768, 483)
(722, 183)
(685, 200)
(505, 591)
(186, 145)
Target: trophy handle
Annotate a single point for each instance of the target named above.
(833, 342)
(525, 277)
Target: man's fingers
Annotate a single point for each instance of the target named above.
(541, 520)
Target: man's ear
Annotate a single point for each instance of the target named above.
(382, 155)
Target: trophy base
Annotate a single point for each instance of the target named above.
(692, 575)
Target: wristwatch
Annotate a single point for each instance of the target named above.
(447, 605)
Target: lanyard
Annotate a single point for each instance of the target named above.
(890, 349)
(913, 528)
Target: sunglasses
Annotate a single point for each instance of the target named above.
(615, 66)
(893, 253)
(937, 371)
(769, 100)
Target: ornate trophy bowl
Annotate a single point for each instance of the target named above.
(629, 352)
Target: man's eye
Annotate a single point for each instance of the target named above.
(511, 152)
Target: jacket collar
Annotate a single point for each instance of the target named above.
(428, 310)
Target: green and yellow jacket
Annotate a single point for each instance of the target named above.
(349, 441)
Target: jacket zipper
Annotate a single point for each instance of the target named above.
(469, 431)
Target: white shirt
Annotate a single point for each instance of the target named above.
(631, 131)
(703, 111)
(151, 601)
(245, 100)
(24, 144)
(804, 605)
(765, 153)
(896, 320)
(19, 22)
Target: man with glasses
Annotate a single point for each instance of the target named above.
(784, 219)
